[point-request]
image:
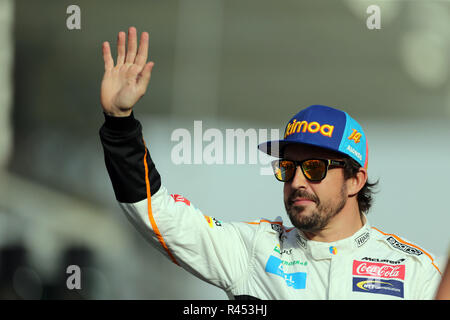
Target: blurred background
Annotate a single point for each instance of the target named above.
(231, 64)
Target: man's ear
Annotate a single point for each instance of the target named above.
(356, 183)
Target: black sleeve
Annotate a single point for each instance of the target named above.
(125, 150)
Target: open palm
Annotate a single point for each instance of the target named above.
(126, 82)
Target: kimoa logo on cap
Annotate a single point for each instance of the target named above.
(312, 127)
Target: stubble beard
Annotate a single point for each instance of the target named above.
(321, 215)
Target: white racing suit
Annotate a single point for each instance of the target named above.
(261, 259)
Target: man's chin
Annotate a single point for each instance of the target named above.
(298, 214)
(303, 218)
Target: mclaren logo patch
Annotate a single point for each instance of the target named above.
(403, 247)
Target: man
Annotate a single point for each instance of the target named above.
(331, 253)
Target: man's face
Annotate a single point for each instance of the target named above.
(311, 205)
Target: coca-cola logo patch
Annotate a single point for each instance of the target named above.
(378, 270)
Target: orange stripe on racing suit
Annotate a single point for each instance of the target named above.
(150, 212)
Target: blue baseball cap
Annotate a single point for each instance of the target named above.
(323, 127)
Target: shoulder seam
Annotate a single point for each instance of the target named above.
(409, 244)
(264, 220)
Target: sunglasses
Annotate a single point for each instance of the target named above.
(313, 169)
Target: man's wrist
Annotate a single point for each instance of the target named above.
(120, 123)
(119, 114)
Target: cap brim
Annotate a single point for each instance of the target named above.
(275, 148)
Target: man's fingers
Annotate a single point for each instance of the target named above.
(109, 62)
(142, 54)
(120, 48)
(132, 45)
(144, 76)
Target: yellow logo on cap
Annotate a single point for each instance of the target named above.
(355, 136)
(312, 127)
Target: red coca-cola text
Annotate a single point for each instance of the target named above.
(378, 270)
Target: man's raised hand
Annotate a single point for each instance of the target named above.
(126, 82)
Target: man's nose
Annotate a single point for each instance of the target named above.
(299, 180)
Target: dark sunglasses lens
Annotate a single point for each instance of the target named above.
(283, 170)
(314, 170)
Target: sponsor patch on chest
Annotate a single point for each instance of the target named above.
(296, 280)
(379, 286)
(378, 278)
(378, 270)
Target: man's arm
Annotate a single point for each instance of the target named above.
(443, 292)
(214, 251)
